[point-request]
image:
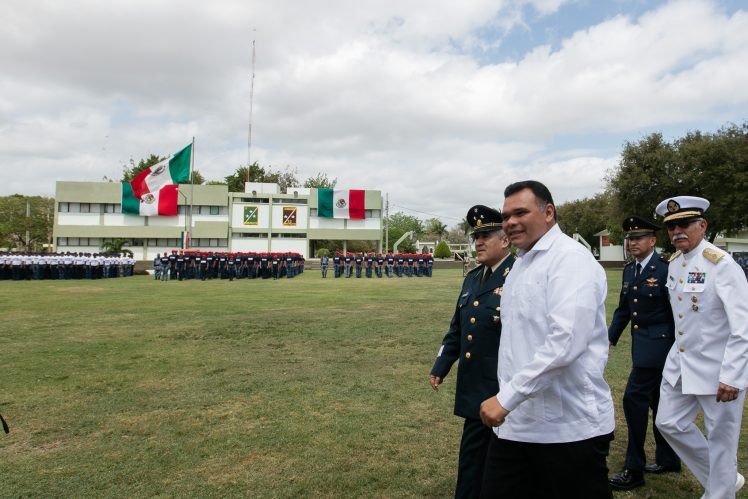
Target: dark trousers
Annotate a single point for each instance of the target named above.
(473, 448)
(523, 470)
(642, 394)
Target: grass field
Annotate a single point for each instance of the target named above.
(293, 388)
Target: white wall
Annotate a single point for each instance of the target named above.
(612, 253)
(366, 223)
(78, 219)
(115, 219)
(289, 245)
(249, 244)
(325, 223)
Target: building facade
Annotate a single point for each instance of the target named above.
(261, 219)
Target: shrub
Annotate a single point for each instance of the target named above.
(442, 250)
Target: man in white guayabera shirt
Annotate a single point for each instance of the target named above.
(553, 416)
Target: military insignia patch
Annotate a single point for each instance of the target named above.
(506, 271)
(498, 291)
(696, 277)
(673, 206)
(496, 319)
(651, 282)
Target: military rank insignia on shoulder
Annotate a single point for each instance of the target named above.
(663, 258)
(712, 255)
(674, 256)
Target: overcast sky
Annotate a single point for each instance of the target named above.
(436, 102)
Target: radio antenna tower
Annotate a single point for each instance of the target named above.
(251, 99)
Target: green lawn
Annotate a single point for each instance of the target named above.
(293, 388)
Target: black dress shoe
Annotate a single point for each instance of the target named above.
(626, 480)
(658, 468)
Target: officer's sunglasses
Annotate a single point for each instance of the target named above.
(683, 224)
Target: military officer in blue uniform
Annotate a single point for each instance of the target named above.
(644, 302)
(473, 338)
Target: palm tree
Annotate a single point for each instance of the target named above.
(116, 246)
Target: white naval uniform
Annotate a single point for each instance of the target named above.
(710, 307)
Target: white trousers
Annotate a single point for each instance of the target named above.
(712, 459)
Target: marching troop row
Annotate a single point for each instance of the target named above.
(400, 265)
(27, 266)
(209, 265)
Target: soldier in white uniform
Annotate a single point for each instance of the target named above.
(707, 368)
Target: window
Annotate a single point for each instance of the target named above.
(372, 213)
(259, 235)
(135, 242)
(312, 212)
(95, 207)
(85, 207)
(109, 208)
(254, 200)
(94, 241)
(288, 235)
(72, 241)
(63, 207)
(74, 207)
(290, 201)
(214, 210)
(62, 241)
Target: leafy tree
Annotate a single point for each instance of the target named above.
(116, 246)
(709, 165)
(464, 226)
(14, 223)
(436, 227)
(255, 173)
(442, 250)
(457, 235)
(398, 224)
(323, 252)
(197, 178)
(587, 216)
(321, 181)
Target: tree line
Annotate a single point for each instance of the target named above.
(711, 165)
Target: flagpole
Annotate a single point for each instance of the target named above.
(188, 236)
(251, 99)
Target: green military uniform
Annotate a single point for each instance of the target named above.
(473, 338)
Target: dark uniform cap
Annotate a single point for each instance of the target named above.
(635, 226)
(484, 219)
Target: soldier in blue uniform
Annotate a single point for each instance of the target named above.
(359, 263)
(335, 265)
(473, 338)
(378, 268)
(369, 265)
(644, 302)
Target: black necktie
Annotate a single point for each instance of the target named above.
(486, 276)
(638, 271)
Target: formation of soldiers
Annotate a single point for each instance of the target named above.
(38, 266)
(370, 265)
(207, 265)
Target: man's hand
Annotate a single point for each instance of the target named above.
(435, 381)
(726, 393)
(492, 413)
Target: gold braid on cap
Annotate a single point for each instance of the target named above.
(682, 214)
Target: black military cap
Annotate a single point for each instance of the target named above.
(635, 226)
(484, 219)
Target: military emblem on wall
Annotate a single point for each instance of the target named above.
(250, 215)
(289, 215)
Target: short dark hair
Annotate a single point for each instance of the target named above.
(541, 192)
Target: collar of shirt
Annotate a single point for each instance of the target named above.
(544, 242)
(646, 260)
(697, 250)
(497, 265)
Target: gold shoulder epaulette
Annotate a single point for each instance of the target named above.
(712, 255)
(674, 256)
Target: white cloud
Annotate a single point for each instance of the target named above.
(381, 95)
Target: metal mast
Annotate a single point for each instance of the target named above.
(251, 99)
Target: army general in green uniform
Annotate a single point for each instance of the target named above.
(473, 338)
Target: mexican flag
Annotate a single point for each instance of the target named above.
(172, 170)
(161, 203)
(340, 203)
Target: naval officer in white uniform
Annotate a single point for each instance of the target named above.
(707, 368)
